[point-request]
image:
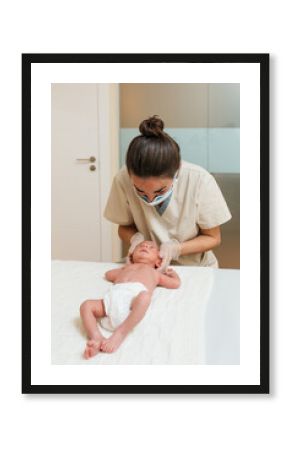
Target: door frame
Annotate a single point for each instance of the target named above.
(108, 164)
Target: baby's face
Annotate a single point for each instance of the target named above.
(147, 252)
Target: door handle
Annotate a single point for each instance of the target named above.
(88, 160)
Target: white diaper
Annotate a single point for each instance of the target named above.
(117, 302)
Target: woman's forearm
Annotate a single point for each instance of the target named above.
(201, 244)
(126, 232)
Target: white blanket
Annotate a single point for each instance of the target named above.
(172, 331)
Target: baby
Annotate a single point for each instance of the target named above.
(125, 305)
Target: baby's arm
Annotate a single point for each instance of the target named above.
(111, 275)
(169, 279)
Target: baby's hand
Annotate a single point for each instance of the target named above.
(169, 272)
(169, 279)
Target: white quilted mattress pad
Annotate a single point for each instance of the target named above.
(170, 333)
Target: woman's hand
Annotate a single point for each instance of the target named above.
(169, 250)
(135, 240)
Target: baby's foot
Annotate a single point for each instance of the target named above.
(92, 348)
(113, 343)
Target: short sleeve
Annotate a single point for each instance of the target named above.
(117, 208)
(212, 208)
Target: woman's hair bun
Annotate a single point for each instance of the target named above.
(152, 127)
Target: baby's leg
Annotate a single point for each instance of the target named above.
(90, 311)
(138, 309)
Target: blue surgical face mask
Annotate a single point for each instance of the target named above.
(159, 198)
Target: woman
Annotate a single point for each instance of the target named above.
(156, 196)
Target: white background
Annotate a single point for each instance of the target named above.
(203, 421)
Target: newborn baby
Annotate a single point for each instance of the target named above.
(126, 303)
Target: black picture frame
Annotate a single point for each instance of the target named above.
(263, 61)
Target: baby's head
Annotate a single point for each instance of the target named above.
(147, 252)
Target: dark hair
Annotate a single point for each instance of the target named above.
(154, 153)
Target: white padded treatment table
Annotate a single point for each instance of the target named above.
(199, 323)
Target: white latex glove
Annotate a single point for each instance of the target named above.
(136, 239)
(169, 250)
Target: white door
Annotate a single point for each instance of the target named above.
(84, 158)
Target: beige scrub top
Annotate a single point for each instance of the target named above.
(196, 202)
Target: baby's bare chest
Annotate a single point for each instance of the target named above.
(138, 273)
